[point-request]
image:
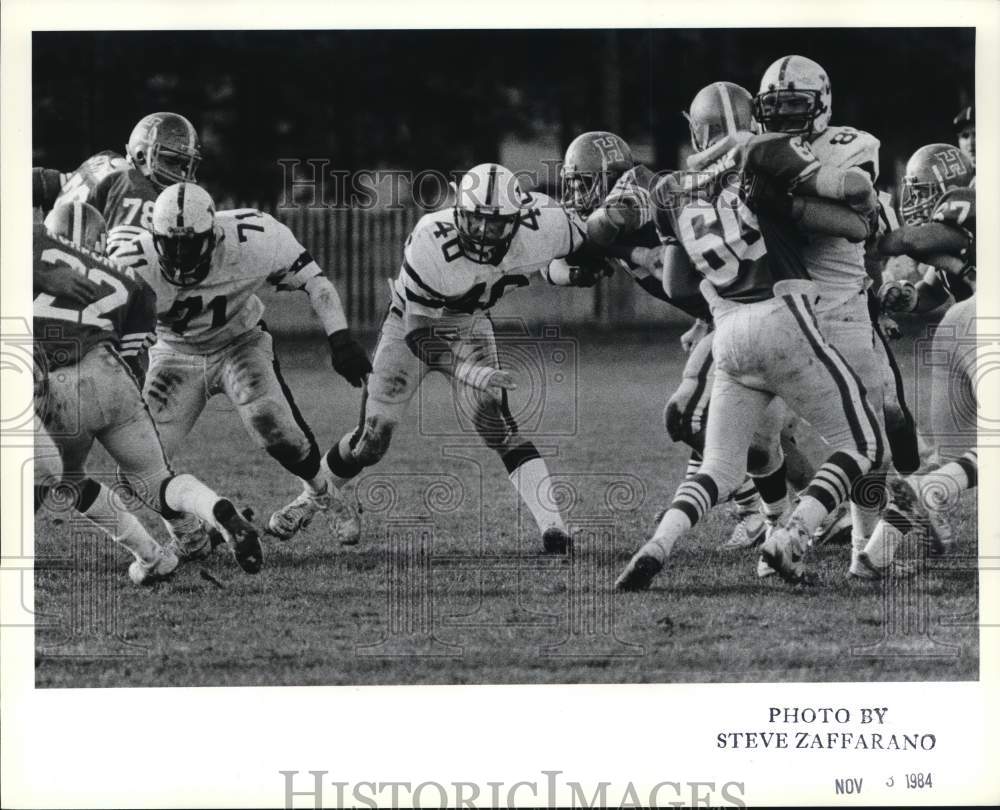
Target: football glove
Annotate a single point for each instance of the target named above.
(897, 296)
(889, 327)
(349, 358)
(587, 275)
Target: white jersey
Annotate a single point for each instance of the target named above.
(834, 263)
(437, 278)
(251, 249)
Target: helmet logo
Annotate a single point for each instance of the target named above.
(610, 149)
(951, 165)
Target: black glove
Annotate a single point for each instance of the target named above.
(350, 360)
(763, 195)
(590, 272)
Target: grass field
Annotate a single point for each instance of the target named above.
(447, 585)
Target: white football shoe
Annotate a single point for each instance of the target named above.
(784, 549)
(749, 532)
(835, 528)
(158, 569)
(342, 516)
(193, 545)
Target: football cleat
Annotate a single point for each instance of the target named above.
(342, 516)
(784, 549)
(162, 567)
(241, 536)
(749, 532)
(195, 545)
(940, 535)
(639, 573)
(863, 568)
(556, 541)
(835, 530)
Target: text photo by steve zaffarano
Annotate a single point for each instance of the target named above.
(269, 547)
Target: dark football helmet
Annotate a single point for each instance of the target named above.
(165, 148)
(930, 172)
(594, 162)
(80, 223)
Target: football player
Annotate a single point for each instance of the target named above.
(796, 97)
(939, 208)
(92, 356)
(205, 268)
(163, 149)
(767, 343)
(614, 195)
(965, 134)
(457, 263)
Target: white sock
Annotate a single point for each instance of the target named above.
(672, 526)
(775, 510)
(185, 493)
(940, 489)
(881, 548)
(863, 523)
(810, 513)
(531, 480)
(123, 527)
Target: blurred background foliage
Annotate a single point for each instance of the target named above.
(446, 100)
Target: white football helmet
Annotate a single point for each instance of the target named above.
(795, 97)
(184, 233)
(488, 203)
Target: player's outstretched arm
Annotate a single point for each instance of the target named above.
(349, 358)
(925, 242)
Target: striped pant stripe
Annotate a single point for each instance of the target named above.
(852, 396)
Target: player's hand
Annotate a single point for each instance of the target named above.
(350, 360)
(692, 337)
(897, 296)
(60, 281)
(889, 327)
(501, 379)
(588, 275)
(762, 194)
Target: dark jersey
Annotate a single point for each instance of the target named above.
(124, 316)
(122, 194)
(635, 189)
(78, 186)
(957, 209)
(742, 254)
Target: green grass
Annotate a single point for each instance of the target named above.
(504, 618)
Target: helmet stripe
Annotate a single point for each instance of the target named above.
(77, 223)
(727, 108)
(180, 205)
(782, 69)
(491, 185)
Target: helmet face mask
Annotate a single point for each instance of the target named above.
(930, 173)
(185, 258)
(795, 97)
(485, 237)
(164, 147)
(585, 191)
(790, 111)
(184, 233)
(488, 203)
(593, 163)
